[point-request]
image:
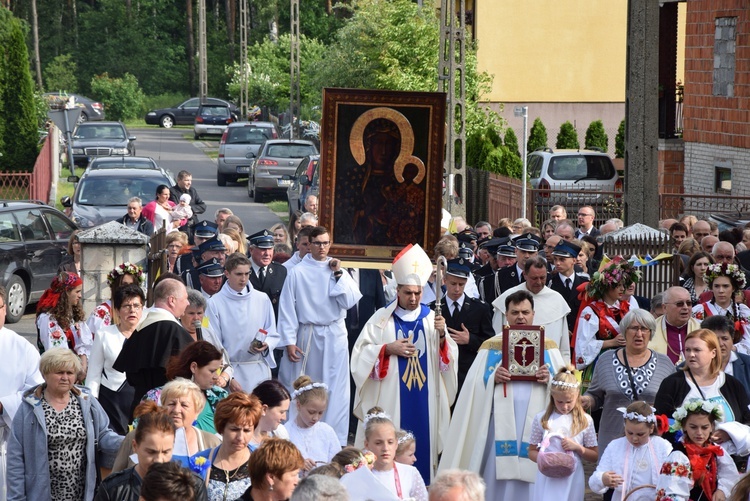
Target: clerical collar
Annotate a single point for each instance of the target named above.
(408, 315)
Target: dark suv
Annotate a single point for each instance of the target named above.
(101, 139)
(212, 120)
(33, 242)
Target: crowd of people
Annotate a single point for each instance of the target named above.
(264, 373)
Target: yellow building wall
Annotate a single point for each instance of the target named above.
(553, 50)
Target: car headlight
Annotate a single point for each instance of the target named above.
(119, 151)
(78, 151)
(151, 114)
(81, 221)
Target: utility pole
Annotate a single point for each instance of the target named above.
(452, 81)
(202, 58)
(294, 97)
(244, 76)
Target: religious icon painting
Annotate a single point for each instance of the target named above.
(523, 351)
(381, 171)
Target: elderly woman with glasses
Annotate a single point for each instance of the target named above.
(622, 376)
(56, 436)
(107, 384)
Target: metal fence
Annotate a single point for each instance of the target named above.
(606, 204)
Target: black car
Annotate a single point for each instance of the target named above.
(101, 139)
(90, 109)
(184, 113)
(212, 120)
(304, 183)
(33, 242)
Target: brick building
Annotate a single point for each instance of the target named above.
(716, 108)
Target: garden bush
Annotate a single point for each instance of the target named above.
(596, 137)
(537, 136)
(122, 97)
(567, 138)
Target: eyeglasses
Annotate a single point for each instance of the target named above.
(681, 304)
(134, 307)
(321, 244)
(638, 328)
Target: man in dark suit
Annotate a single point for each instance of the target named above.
(565, 280)
(526, 246)
(213, 248)
(504, 255)
(265, 275)
(734, 363)
(586, 217)
(468, 320)
(202, 231)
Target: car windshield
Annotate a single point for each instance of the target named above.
(577, 167)
(94, 131)
(215, 111)
(122, 163)
(247, 135)
(290, 150)
(102, 191)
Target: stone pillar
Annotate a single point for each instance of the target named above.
(641, 114)
(103, 248)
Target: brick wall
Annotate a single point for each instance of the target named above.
(671, 165)
(701, 160)
(710, 119)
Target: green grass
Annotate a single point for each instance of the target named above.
(64, 188)
(280, 208)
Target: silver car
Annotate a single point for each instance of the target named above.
(278, 158)
(238, 148)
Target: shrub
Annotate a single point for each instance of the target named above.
(620, 141)
(596, 137)
(511, 141)
(122, 97)
(512, 164)
(494, 137)
(537, 136)
(18, 134)
(60, 74)
(567, 138)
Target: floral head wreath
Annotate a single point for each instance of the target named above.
(126, 268)
(696, 405)
(296, 393)
(617, 271)
(637, 416)
(376, 415)
(63, 282)
(405, 438)
(367, 458)
(735, 274)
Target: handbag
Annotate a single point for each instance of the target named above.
(553, 460)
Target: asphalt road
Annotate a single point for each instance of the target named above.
(175, 150)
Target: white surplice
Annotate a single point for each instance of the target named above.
(15, 378)
(386, 393)
(234, 318)
(312, 309)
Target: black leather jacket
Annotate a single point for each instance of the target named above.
(125, 485)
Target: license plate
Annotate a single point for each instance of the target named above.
(283, 182)
(243, 169)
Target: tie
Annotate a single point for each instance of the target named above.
(261, 275)
(568, 283)
(455, 309)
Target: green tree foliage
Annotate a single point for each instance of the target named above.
(567, 138)
(268, 71)
(511, 141)
(620, 141)
(60, 74)
(18, 134)
(537, 136)
(596, 137)
(122, 97)
(394, 44)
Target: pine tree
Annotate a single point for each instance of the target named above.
(596, 137)
(511, 141)
(567, 138)
(537, 136)
(620, 141)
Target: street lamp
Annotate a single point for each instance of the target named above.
(523, 111)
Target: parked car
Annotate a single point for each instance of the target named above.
(147, 163)
(238, 148)
(33, 242)
(184, 113)
(102, 195)
(211, 120)
(730, 220)
(90, 109)
(304, 182)
(277, 158)
(101, 139)
(576, 177)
